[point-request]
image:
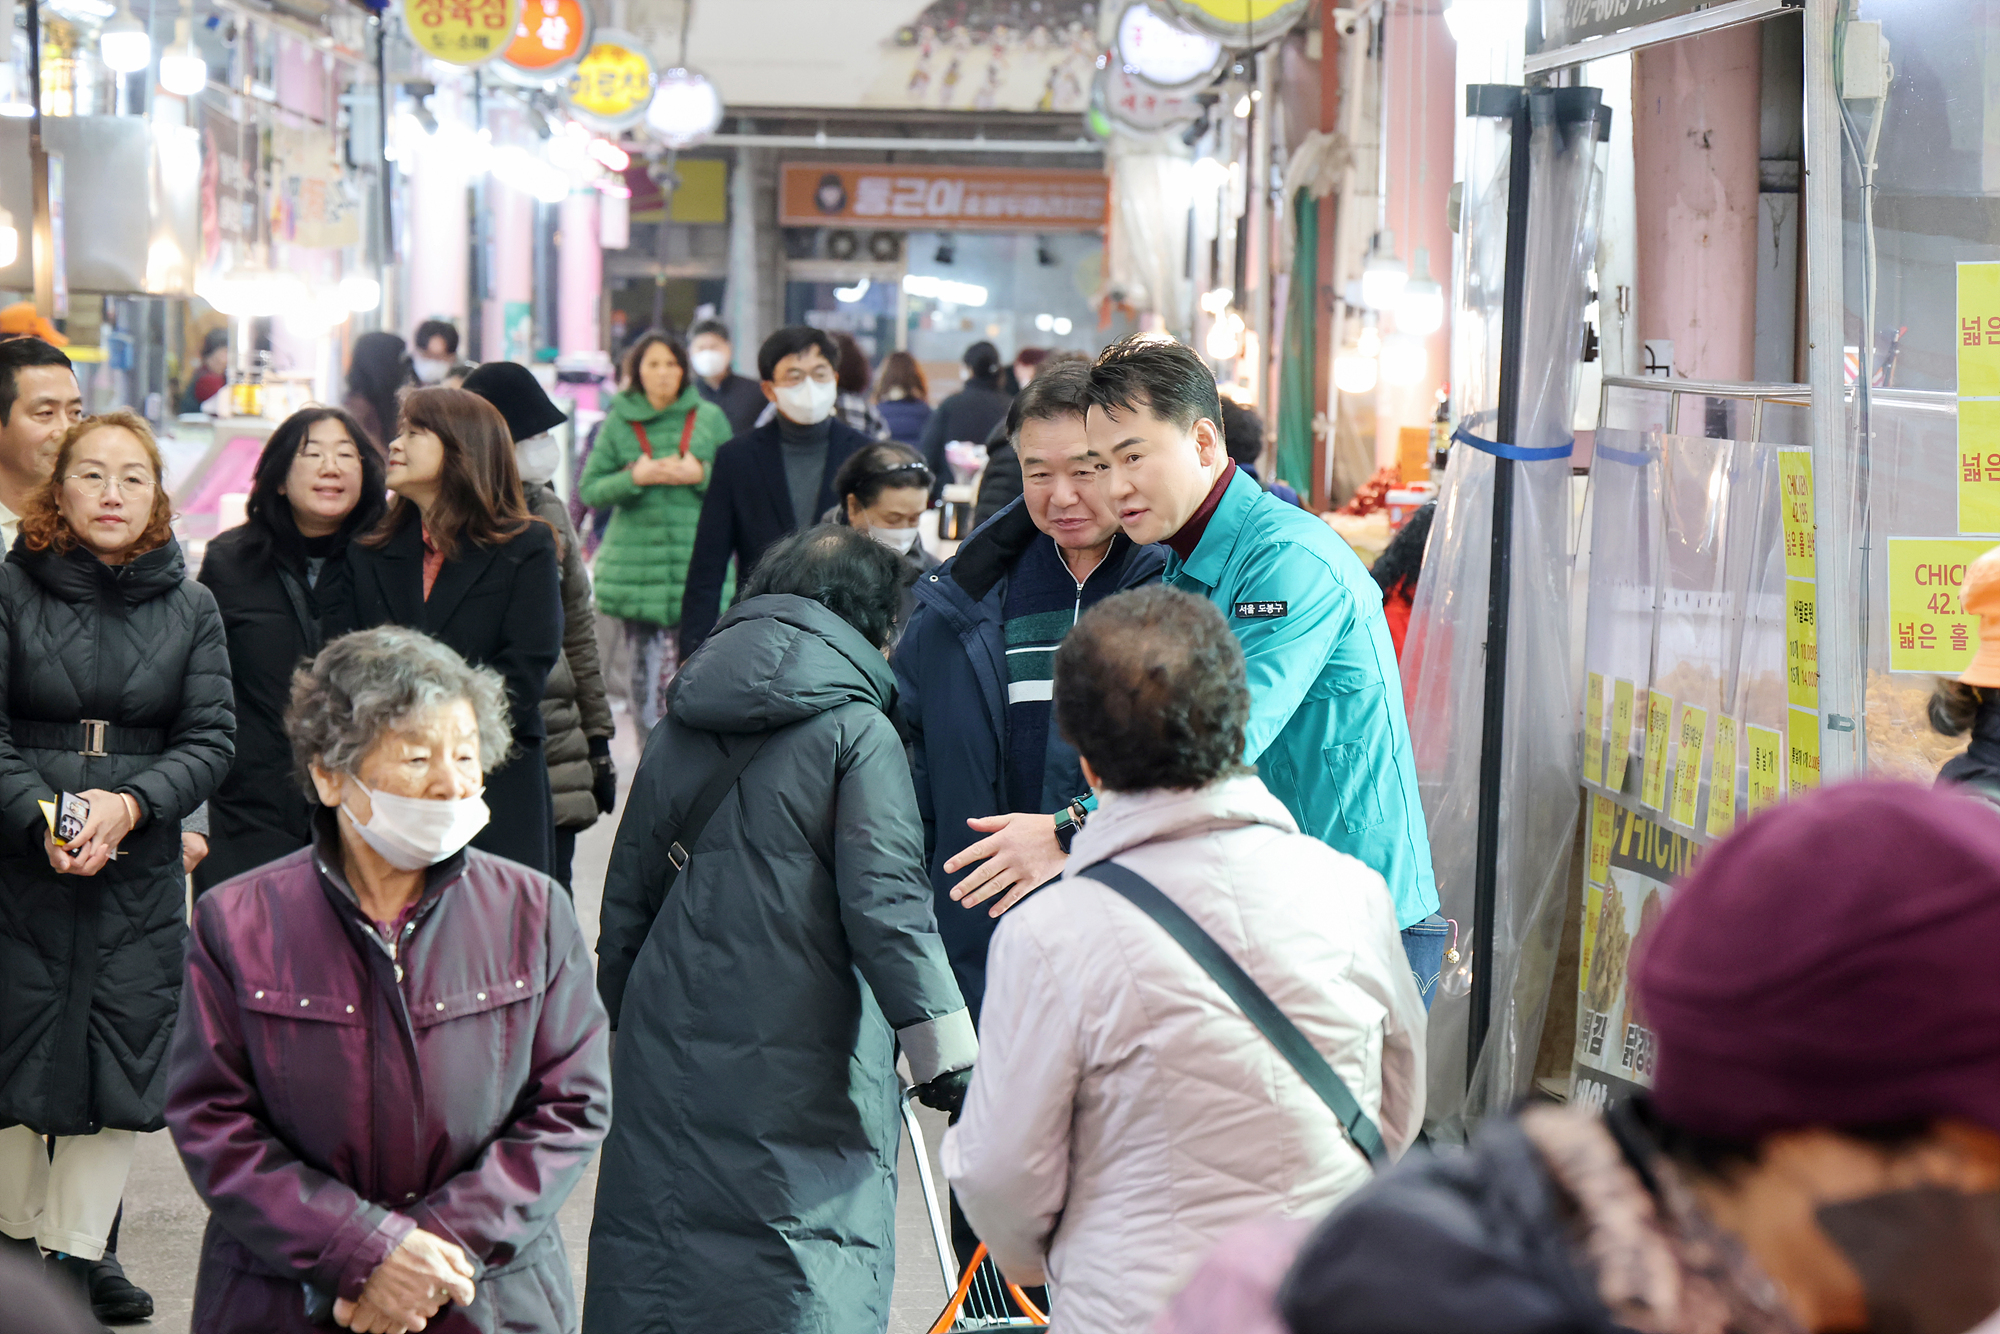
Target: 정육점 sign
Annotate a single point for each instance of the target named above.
(820, 194)
(460, 32)
(613, 83)
(550, 37)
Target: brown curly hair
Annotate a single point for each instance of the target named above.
(42, 524)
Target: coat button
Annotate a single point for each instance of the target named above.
(411, 1196)
(260, 995)
(303, 1002)
(482, 995)
(440, 1005)
(520, 984)
(350, 1009)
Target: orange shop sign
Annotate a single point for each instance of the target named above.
(549, 37)
(460, 32)
(817, 194)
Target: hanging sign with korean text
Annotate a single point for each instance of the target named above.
(944, 198)
(1928, 630)
(612, 84)
(551, 36)
(460, 32)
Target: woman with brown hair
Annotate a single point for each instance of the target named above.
(459, 557)
(114, 687)
(903, 397)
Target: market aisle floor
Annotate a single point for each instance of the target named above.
(161, 1239)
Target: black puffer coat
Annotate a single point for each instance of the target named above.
(749, 1182)
(574, 707)
(266, 591)
(84, 1032)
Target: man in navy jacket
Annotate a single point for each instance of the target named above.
(974, 667)
(773, 479)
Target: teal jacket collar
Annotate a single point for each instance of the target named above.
(1211, 554)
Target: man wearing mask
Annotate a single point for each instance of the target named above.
(436, 351)
(716, 379)
(772, 480)
(39, 400)
(1327, 731)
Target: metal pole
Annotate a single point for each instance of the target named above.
(385, 254)
(1841, 537)
(42, 232)
(1486, 864)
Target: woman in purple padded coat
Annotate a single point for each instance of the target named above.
(391, 1064)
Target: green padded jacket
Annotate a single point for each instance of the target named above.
(642, 567)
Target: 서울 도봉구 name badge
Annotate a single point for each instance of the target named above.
(1260, 611)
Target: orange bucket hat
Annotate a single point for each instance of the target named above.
(22, 320)
(1980, 595)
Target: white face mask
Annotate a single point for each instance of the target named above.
(710, 362)
(430, 372)
(898, 540)
(538, 457)
(809, 402)
(414, 832)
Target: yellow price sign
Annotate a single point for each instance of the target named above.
(1603, 832)
(1804, 751)
(1795, 490)
(1722, 779)
(1979, 330)
(1659, 717)
(1687, 769)
(1593, 904)
(1928, 630)
(461, 32)
(1593, 730)
(1621, 736)
(1801, 644)
(612, 85)
(1766, 775)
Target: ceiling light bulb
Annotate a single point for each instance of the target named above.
(182, 70)
(1354, 373)
(123, 43)
(686, 108)
(1383, 275)
(360, 293)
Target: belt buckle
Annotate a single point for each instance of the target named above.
(93, 738)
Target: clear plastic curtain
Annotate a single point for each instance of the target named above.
(1444, 661)
(1146, 255)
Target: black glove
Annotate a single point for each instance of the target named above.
(946, 1093)
(603, 775)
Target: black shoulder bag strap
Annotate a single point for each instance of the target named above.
(1259, 1008)
(737, 752)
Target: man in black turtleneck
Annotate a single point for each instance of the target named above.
(771, 480)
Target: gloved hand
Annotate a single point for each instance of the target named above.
(946, 1093)
(603, 775)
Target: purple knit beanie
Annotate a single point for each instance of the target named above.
(1835, 962)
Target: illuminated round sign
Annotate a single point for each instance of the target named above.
(460, 32)
(1129, 103)
(685, 109)
(1164, 52)
(551, 36)
(613, 83)
(1240, 23)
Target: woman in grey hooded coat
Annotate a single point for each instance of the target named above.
(749, 1181)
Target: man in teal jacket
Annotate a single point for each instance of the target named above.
(1327, 731)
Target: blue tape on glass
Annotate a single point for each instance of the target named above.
(1637, 458)
(1514, 452)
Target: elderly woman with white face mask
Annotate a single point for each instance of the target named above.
(391, 1064)
(575, 706)
(883, 490)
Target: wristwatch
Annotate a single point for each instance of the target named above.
(1068, 820)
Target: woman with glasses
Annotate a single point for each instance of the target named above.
(884, 490)
(460, 557)
(318, 484)
(114, 676)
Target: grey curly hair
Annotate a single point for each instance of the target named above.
(363, 684)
